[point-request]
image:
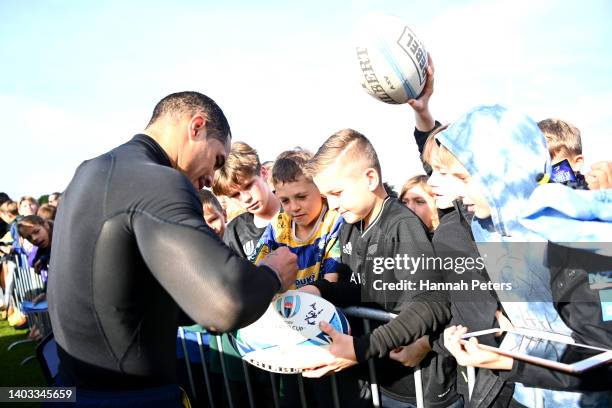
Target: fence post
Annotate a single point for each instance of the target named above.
(187, 363)
(224, 370)
(471, 374)
(206, 377)
(418, 386)
(372, 370)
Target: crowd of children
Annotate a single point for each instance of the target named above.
(26, 230)
(487, 181)
(483, 171)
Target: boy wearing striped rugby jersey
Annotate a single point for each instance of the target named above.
(310, 230)
(306, 226)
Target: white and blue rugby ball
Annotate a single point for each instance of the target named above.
(392, 60)
(287, 338)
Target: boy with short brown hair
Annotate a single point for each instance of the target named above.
(563, 141)
(243, 179)
(214, 213)
(306, 226)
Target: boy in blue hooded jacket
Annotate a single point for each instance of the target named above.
(499, 155)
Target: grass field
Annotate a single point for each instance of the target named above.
(12, 374)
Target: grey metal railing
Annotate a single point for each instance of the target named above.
(364, 313)
(25, 285)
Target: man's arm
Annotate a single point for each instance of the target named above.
(213, 285)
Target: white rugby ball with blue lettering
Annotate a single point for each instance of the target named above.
(392, 60)
(287, 338)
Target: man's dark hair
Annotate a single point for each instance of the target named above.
(191, 103)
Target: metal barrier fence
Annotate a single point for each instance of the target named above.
(23, 286)
(366, 314)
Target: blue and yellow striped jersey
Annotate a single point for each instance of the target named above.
(317, 255)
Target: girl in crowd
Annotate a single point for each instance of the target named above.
(416, 194)
(38, 232)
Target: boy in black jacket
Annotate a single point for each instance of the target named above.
(380, 229)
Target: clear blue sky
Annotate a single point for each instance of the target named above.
(81, 77)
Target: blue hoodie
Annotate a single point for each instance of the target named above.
(582, 218)
(504, 151)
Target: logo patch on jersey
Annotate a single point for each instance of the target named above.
(372, 249)
(347, 249)
(288, 306)
(249, 248)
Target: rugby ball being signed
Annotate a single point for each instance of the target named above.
(287, 338)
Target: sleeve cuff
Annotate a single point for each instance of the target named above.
(424, 134)
(514, 373)
(361, 346)
(324, 286)
(276, 275)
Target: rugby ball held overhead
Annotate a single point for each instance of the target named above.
(392, 60)
(287, 338)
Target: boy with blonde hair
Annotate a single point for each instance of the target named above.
(347, 171)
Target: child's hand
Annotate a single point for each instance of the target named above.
(342, 353)
(412, 354)
(421, 104)
(313, 290)
(600, 176)
(467, 353)
(38, 266)
(503, 321)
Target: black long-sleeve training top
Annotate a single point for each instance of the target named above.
(130, 250)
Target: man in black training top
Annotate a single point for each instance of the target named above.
(131, 250)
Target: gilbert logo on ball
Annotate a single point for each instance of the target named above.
(392, 60)
(287, 338)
